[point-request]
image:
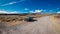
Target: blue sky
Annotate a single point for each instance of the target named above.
(30, 6)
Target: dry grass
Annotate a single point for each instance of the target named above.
(56, 20)
(14, 19)
(17, 19)
(11, 20)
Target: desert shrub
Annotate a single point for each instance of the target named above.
(13, 19)
(57, 16)
(0, 32)
(20, 19)
(7, 20)
(3, 20)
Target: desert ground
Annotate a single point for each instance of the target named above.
(15, 24)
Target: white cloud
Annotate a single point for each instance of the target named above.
(10, 3)
(57, 8)
(32, 12)
(26, 9)
(50, 10)
(8, 12)
(3, 11)
(36, 11)
(13, 12)
(44, 10)
(58, 12)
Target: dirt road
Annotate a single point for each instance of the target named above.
(43, 25)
